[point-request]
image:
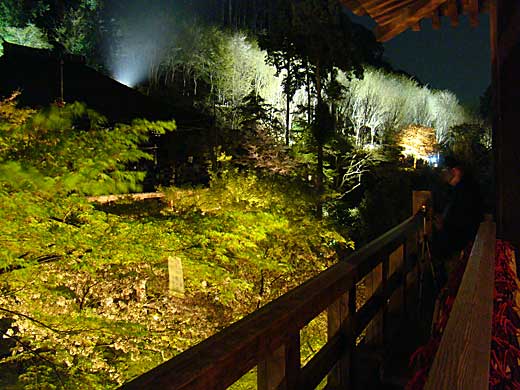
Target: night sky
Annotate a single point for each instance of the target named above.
(457, 59)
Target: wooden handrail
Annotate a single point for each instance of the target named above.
(462, 360)
(225, 357)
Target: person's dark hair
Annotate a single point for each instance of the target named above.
(450, 161)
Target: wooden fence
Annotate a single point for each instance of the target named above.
(269, 338)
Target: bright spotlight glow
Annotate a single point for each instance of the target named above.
(127, 77)
(140, 46)
(131, 69)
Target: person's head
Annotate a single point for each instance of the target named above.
(454, 170)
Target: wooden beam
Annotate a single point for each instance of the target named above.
(374, 5)
(505, 51)
(452, 12)
(485, 6)
(510, 36)
(355, 6)
(473, 11)
(464, 6)
(390, 13)
(409, 16)
(337, 324)
(436, 19)
(417, 26)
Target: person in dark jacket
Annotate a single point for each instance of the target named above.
(457, 225)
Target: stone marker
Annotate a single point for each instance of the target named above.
(176, 278)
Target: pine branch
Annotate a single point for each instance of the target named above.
(32, 351)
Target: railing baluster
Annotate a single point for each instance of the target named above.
(374, 332)
(337, 321)
(271, 370)
(384, 311)
(405, 278)
(281, 370)
(292, 362)
(349, 382)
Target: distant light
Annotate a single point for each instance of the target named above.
(433, 160)
(126, 82)
(128, 78)
(130, 71)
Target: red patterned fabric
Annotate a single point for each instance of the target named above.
(505, 348)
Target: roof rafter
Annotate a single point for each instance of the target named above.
(436, 20)
(395, 16)
(451, 10)
(473, 11)
(408, 17)
(355, 6)
(389, 13)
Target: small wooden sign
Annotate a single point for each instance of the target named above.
(176, 277)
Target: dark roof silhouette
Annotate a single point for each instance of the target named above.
(37, 73)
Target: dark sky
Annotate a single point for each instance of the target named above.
(457, 59)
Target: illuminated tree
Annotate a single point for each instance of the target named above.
(29, 35)
(279, 42)
(80, 28)
(446, 112)
(418, 142)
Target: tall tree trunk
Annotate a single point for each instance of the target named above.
(319, 181)
(309, 107)
(319, 168)
(333, 109)
(288, 100)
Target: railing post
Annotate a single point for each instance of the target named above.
(374, 330)
(337, 321)
(271, 370)
(292, 362)
(384, 311)
(405, 278)
(396, 262)
(282, 368)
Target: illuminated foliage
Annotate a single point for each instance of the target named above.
(418, 142)
(84, 298)
(382, 104)
(29, 35)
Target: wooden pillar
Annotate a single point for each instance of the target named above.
(282, 367)
(396, 304)
(374, 330)
(505, 52)
(337, 314)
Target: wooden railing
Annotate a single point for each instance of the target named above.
(462, 361)
(269, 338)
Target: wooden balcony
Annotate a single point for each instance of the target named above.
(269, 339)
